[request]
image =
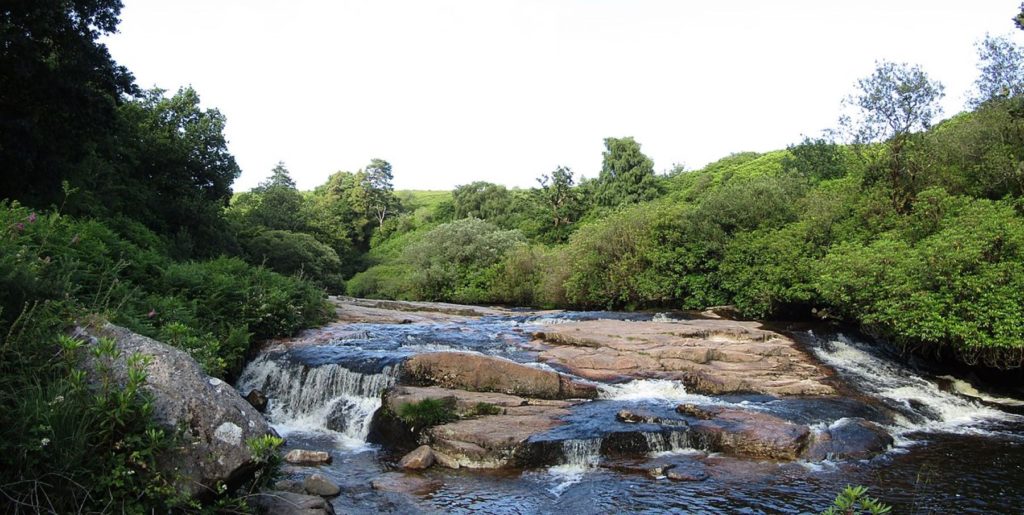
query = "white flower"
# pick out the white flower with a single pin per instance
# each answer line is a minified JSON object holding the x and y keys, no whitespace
{"x":44,"y":442}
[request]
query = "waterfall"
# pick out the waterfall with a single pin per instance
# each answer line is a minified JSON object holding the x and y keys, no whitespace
{"x":328,"y":398}
{"x":919,"y":402}
{"x":651,"y":389}
{"x":579,"y":456}
{"x":674,"y":442}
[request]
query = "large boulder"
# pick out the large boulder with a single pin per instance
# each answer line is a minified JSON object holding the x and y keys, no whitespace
{"x":215,"y":421}
{"x":848,"y":438}
{"x":475,"y":372}
{"x":746,"y":433}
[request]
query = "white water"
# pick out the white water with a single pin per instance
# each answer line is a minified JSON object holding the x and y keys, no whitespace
{"x":581,"y":456}
{"x":923,"y":406}
{"x":651,"y":389}
{"x":676,"y":442}
{"x":304,"y":399}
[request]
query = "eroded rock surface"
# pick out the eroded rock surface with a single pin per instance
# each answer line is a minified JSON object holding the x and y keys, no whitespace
{"x":289,"y":503}
{"x":709,"y":356}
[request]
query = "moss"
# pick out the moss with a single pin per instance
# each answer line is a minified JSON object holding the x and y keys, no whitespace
{"x":427,"y":413}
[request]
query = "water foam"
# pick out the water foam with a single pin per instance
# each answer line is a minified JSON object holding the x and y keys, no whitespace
{"x":315,"y":399}
{"x":920,"y":403}
{"x":651,"y":389}
{"x":580,"y":456}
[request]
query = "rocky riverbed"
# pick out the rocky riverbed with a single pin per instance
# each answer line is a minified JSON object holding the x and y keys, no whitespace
{"x":405,"y":396}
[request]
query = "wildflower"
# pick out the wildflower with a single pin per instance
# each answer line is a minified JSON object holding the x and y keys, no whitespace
{"x":151,"y":314}
{"x":31,"y":218}
{"x":74,"y":239}
{"x":44,"y":442}
{"x":57,"y":400}
{"x":19,"y":227}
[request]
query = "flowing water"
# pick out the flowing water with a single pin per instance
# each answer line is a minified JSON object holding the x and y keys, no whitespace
{"x":957,"y":450}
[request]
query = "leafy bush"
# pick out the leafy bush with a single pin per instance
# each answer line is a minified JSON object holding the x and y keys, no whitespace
{"x":456,"y":261}
{"x":297,"y":254}
{"x":950,"y":277}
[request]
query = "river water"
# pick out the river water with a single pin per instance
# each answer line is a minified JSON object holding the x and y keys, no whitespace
{"x":954,"y":453}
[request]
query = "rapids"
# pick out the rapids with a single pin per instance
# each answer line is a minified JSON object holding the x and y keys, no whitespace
{"x":953,"y":452}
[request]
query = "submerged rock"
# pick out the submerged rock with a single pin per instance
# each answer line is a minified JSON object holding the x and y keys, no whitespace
{"x":475,"y":372}
{"x":420,"y":458}
{"x":317,"y":484}
{"x":709,"y":356}
{"x":289,"y":503}
{"x":307,"y":457}
{"x":215,"y":421}
{"x":406,"y":484}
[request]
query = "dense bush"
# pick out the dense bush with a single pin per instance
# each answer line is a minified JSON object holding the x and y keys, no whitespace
{"x":457,"y":261}
{"x":298,"y":254}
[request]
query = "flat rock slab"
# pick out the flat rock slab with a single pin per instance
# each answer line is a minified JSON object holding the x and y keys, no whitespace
{"x":465,"y":403}
{"x":709,"y":356}
{"x":420,"y":458}
{"x":492,"y":441}
{"x":479,"y":373}
{"x":849,"y":438}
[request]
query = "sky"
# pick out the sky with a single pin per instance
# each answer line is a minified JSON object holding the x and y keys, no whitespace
{"x":451,"y":92}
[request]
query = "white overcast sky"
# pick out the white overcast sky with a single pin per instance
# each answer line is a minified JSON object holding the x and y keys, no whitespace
{"x":455,"y":91}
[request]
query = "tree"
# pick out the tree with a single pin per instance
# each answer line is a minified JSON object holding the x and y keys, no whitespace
{"x":275,"y":203}
{"x":889,"y":106}
{"x":817,"y":158}
{"x":380,"y":194}
{"x":279,"y":177}
{"x":1001,"y":63}
{"x":627,"y":175}
{"x":481,"y":199}
{"x":559,"y":196}
{"x":59,"y":91}
{"x":176,"y":166}
{"x":1019,"y":19}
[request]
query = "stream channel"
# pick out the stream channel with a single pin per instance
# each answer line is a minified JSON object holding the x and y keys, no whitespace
{"x":955,"y":450}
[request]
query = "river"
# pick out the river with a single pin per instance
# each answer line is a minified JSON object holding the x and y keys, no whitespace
{"x":952,"y":453}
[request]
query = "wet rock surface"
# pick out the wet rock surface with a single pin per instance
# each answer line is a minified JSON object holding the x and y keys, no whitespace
{"x":709,"y":356}
{"x":317,"y":484}
{"x":405,"y":483}
{"x":849,"y":438}
{"x":418,"y":459}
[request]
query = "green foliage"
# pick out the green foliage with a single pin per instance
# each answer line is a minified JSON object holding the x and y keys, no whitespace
{"x":949,"y":278}
{"x":853,"y":500}
{"x":68,"y":444}
{"x":627,"y":175}
{"x":1001,"y":70}
{"x":298,"y":254}
{"x":456,"y":261}
{"x":427,"y":413}
{"x":817,"y":159}
{"x":486,"y":408}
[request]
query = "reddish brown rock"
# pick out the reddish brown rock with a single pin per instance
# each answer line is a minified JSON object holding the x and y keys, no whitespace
{"x":849,"y":438}
{"x":480,"y":373}
{"x":709,"y":356}
{"x":421,"y":458}
{"x":747,"y":433}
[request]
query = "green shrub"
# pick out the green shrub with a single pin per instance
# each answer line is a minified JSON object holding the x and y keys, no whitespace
{"x":297,"y":254}
{"x":486,"y":408}
{"x":427,"y":413}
